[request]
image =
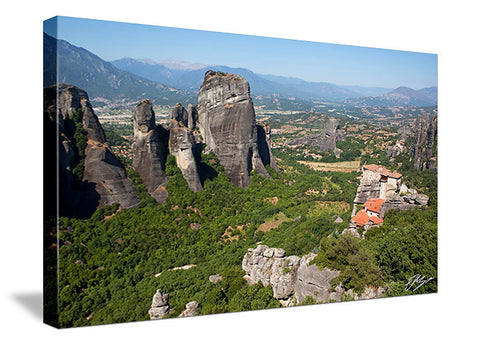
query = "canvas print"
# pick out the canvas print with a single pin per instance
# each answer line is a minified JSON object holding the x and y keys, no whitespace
{"x":192,"y":172}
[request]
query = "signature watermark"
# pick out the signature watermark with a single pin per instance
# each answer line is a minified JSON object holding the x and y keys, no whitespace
{"x":417,"y":280}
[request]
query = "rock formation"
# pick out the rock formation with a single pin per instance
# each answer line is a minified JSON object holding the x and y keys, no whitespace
{"x":293,"y":279}
{"x":377,"y":182}
{"x":403,"y":203}
{"x":226,"y":120}
{"x":149,"y":150}
{"x":182,"y":146}
{"x":264,"y":133}
{"x":191,"y":117}
{"x":54,"y":126}
{"x":315,"y":283}
{"x":424,"y":142}
{"x":160,"y":306}
{"x":399,"y":147}
{"x":215,"y":278}
{"x":271,"y":267}
{"x":104,"y":180}
{"x":102,"y":167}
{"x":191,"y":309}
{"x":325,"y":141}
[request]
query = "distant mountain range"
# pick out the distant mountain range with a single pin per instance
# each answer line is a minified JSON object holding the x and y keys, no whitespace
{"x":261,"y":85}
{"x":101,"y":79}
{"x":401,"y":96}
{"x":168,"y":82}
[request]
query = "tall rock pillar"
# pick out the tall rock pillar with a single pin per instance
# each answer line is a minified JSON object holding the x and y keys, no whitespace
{"x":226,"y":120}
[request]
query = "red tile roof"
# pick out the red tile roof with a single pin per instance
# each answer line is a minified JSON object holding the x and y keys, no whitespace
{"x":362,"y":218}
{"x":374,"y":205}
{"x":382,"y":171}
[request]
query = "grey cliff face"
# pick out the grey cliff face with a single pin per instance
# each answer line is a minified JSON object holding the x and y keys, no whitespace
{"x":149,"y":150}
{"x":264,"y":133}
{"x":315,"y":283}
{"x":369,"y":188}
{"x":293,"y":279}
{"x":104,"y":179}
{"x":192,"y":115}
{"x":424,"y":142}
{"x":326,"y":140}
{"x":182,"y":146}
{"x":404,"y":203}
{"x":102,"y":167}
{"x":271,"y":267}
{"x":180,"y":114}
{"x":226,"y":120}
{"x":54,"y":126}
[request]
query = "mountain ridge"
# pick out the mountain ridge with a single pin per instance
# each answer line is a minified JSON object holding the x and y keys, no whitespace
{"x":261,"y":84}
{"x":401,"y":96}
{"x":131,"y":80}
{"x":80,"y":67}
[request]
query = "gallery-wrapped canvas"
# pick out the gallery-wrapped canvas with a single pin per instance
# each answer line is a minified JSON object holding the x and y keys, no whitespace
{"x":191,"y":172}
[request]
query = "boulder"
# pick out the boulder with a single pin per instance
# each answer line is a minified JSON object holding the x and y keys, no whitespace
{"x":160,"y":306}
{"x":215,"y":278}
{"x":191,"y":309}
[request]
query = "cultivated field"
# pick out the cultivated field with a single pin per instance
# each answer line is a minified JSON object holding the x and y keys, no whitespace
{"x":344,"y":166}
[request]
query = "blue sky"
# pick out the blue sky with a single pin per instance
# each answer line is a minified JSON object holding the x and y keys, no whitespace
{"x":310,"y":61}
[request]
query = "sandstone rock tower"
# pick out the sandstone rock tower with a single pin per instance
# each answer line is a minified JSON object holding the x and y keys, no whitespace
{"x":102,"y":180}
{"x":226,"y":120}
{"x":182,"y":145}
{"x":149,"y":150}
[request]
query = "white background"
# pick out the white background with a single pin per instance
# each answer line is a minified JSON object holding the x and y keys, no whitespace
{"x":447,"y":28}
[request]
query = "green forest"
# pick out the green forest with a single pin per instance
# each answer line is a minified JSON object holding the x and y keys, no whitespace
{"x":111,"y":264}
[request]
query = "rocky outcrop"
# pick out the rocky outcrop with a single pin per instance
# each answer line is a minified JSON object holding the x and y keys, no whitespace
{"x":311,"y":282}
{"x":103,"y":180}
{"x":399,"y":147}
{"x":182,"y":146}
{"x":149,"y":150}
{"x":191,"y":309}
{"x":271,"y":267}
{"x":403,"y":203}
{"x":325,"y":141}
{"x":377,"y":182}
{"x":424,"y":142}
{"x":160,"y":306}
{"x":226,"y":120}
{"x":215,"y":278}
{"x":293,"y":279}
{"x":264,"y":133}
